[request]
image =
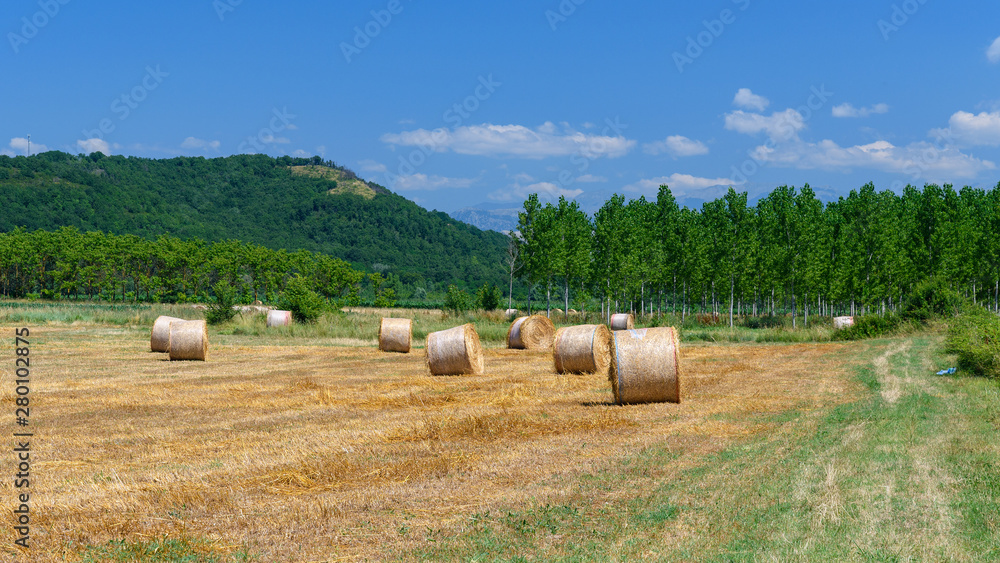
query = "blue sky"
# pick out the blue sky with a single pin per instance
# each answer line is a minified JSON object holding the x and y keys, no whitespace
{"x":459,"y":104}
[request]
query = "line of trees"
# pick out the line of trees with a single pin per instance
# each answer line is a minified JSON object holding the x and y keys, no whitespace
{"x":789,"y":253}
{"x":70,"y":264}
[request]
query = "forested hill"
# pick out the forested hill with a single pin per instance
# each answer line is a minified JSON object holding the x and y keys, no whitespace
{"x":275,"y":202}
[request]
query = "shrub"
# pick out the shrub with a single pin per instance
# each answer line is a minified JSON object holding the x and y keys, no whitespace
{"x":870,"y":326}
{"x":489,"y":297}
{"x":974,"y":336}
{"x":221,"y":310}
{"x":457,"y":301}
{"x":931,"y":298}
{"x":305,"y":304}
{"x":766,"y":321}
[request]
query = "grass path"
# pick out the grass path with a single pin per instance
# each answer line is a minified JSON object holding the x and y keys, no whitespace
{"x":910,"y":471}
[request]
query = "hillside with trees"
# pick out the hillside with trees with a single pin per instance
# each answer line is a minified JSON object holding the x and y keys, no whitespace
{"x":278,"y":203}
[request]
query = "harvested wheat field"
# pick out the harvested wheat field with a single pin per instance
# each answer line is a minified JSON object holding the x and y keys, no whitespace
{"x":326,"y":453}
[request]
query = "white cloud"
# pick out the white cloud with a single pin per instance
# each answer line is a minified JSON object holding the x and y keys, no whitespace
{"x":779,"y":126}
{"x":300,"y":153}
{"x":920,"y":160}
{"x":369,"y":165}
{"x":513,"y":140}
{"x":676,"y":146}
{"x":433,"y":182}
{"x":970,"y":129}
{"x":848,"y":110}
{"x":195,"y":143}
{"x":746,"y":99}
{"x":545,"y":191}
{"x":94,"y":145}
{"x":677,"y":182}
{"x":20,"y":145}
{"x":993,"y":52}
{"x":321,"y":150}
{"x":590,"y":178}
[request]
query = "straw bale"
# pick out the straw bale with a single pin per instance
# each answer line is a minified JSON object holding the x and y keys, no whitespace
{"x":159,"y":339}
{"x":842,"y":322}
{"x":188,"y":340}
{"x":531,"y":333}
{"x":455,"y":351}
{"x":645,"y":366}
{"x":622,"y":321}
{"x":582,"y":349}
{"x":395,"y":335}
{"x":278,"y":318}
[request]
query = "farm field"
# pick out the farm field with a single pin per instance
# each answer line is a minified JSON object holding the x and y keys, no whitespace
{"x":313,"y":449}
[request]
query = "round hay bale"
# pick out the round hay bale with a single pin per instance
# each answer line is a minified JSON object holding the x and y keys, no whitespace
{"x":645,"y":366}
{"x":582,"y":349}
{"x":278,"y":318}
{"x":842,"y":322}
{"x":622,"y":321}
{"x":188,"y":340}
{"x":510,"y":312}
{"x":531,"y":333}
{"x":394,"y":335}
{"x":159,"y":340}
{"x":455,"y":351}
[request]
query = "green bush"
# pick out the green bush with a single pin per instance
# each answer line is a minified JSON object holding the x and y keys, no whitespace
{"x":305,"y":304}
{"x":974,"y":336}
{"x":870,"y":326}
{"x":457,"y":301}
{"x":932,"y":298}
{"x":221,"y":310}
{"x":489,"y":297}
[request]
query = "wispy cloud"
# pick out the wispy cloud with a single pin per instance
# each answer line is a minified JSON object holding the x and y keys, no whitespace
{"x":547,"y":140}
{"x":922,"y":158}
{"x":545,"y":191}
{"x":200,"y":144}
{"x":993,"y":52}
{"x":848,"y":110}
{"x":431,"y":182}
{"x":676,"y":146}
{"x":681,"y":182}
{"x":748,"y":100}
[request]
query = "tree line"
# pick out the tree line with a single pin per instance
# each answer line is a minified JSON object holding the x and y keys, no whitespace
{"x":789,"y":253}
{"x":69,"y":264}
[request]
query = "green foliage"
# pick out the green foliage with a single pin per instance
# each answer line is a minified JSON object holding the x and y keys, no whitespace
{"x":932,"y":298}
{"x":221,"y":310}
{"x":488,"y":297}
{"x":305,"y":304}
{"x":252,"y":198}
{"x":870,"y":326}
{"x":974,"y":335}
{"x":457,"y":300}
